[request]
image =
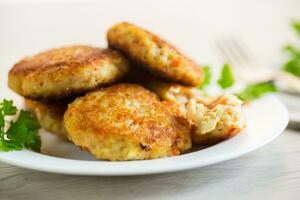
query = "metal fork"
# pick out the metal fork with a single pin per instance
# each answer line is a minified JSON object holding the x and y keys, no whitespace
{"x":248,"y":70}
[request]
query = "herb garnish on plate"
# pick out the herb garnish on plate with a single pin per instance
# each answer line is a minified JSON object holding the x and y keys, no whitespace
{"x":293,"y":64}
{"x":20,"y":133}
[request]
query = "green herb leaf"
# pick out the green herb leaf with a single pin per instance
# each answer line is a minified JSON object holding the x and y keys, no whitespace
{"x":8,"y":108}
{"x":2,"y":123}
{"x":296,"y":26}
{"x":36,"y":145}
{"x":292,"y":50}
{"x":293,"y":67}
{"x":293,"y":64}
{"x":207,"y":77}
{"x":22,"y":133}
{"x":6,"y":145}
{"x":227,"y":78}
{"x":257,"y":90}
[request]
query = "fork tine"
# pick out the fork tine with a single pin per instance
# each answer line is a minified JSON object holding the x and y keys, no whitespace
{"x":218,"y":53}
{"x":225,"y":53}
{"x":240,"y":49}
{"x":229,"y":53}
{"x":236,"y":54}
{"x":240,"y":60}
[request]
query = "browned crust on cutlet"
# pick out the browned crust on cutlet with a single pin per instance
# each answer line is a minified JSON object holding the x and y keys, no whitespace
{"x":126,"y":115}
{"x":67,"y":71}
{"x":155,"y":54}
{"x":211,"y":139}
{"x":49,"y":115}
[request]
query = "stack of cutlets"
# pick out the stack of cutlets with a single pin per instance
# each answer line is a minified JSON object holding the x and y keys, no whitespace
{"x":135,"y":100}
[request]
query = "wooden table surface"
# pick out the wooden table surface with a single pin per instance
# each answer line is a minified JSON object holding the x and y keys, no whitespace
{"x":272,"y":172}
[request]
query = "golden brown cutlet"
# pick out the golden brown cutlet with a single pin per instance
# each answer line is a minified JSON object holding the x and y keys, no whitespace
{"x":154,"y":54}
{"x":213,"y":119}
{"x":49,"y":115}
{"x":68,"y":71}
{"x":126,"y":122}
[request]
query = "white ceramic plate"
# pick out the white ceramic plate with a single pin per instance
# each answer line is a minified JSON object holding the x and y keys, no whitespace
{"x":30,"y":28}
{"x":266,"y":119}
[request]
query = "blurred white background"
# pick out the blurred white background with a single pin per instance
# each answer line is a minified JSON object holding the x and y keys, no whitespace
{"x":27,"y":27}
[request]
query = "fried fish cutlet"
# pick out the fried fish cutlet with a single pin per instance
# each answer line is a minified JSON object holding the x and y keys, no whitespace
{"x":220,"y":120}
{"x":49,"y":115}
{"x":213,"y":119}
{"x":125,"y":122}
{"x":68,"y":71}
{"x":177,"y":94}
{"x":154,"y":54}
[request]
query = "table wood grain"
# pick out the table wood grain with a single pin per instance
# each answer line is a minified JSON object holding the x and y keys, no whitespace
{"x":272,"y":172}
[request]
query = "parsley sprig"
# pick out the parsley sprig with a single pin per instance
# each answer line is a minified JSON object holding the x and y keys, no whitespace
{"x":207,"y":77}
{"x":227,"y":78}
{"x":255,"y":91}
{"x":20,"y":133}
{"x":249,"y":93}
{"x":293,"y":64}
